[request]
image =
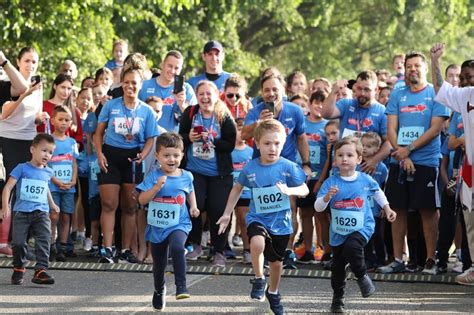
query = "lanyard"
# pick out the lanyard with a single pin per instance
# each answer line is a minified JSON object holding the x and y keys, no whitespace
{"x":128,"y":124}
{"x":47,"y":126}
{"x":201,"y":119}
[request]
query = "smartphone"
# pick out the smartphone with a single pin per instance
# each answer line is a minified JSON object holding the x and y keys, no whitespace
{"x":178,"y":84}
{"x":198,"y":129}
{"x":270,"y":106}
{"x":36,"y":79}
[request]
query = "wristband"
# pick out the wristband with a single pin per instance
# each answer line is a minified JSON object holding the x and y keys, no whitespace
{"x":4,"y":63}
{"x":410,"y":147}
{"x":306,"y":164}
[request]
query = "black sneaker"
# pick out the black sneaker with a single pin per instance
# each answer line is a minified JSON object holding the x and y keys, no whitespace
{"x":182,"y":292}
{"x":366,"y":286}
{"x":327,"y":265}
{"x":70,"y":254}
{"x":289,"y":261}
{"x":159,"y":300}
{"x":93,"y":252}
{"x":307,"y":258}
{"x":52,"y":253}
{"x":326,"y":257}
{"x":17,"y":276}
{"x":258,"y":289}
{"x":128,"y":257}
{"x":275,"y":302}
{"x":106,"y":256}
{"x":337,"y":305}
{"x":42,"y":277}
{"x":442,"y":269}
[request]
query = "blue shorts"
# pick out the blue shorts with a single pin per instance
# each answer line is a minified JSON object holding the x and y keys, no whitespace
{"x":65,"y":201}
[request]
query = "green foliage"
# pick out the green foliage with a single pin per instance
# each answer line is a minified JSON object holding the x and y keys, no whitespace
{"x":331,"y":38}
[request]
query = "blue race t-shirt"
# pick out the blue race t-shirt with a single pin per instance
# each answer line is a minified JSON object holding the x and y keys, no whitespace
{"x":82,"y":161}
{"x":359,"y":119}
{"x":317,"y":143}
{"x":350,"y":207}
{"x":219,"y":82}
{"x":90,"y":124}
{"x":112,"y":64}
{"x":121,"y":121}
{"x":456,"y":127}
{"x":240,"y":158}
{"x":202,"y":156}
{"x":415,"y":111}
{"x":292,"y":118}
{"x":93,"y":171}
{"x":268,"y":206}
{"x":380,"y":176}
{"x":31,"y":187}
{"x":168,"y":207}
{"x":62,"y":163}
{"x":170,"y":112}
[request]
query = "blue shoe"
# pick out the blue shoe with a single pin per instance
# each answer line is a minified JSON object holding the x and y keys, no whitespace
{"x":289,"y":261}
{"x":182,"y":292}
{"x":258,"y":289}
{"x":275,"y":302}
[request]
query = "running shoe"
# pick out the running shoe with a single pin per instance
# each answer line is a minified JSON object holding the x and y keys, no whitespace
{"x":219,"y":260}
{"x":289,"y":261}
{"x":337,"y":305}
{"x":467,"y":277}
{"x":318,"y":253}
{"x":246,"y":257}
{"x":17,"y":276}
{"x":106,"y":256}
{"x":159,"y":300}
{"x":275,"y":302}
{"x":307,"y":258}
{"x":366,"y":286}
{"x":430,"y":267}
{"x":258,"y":289}
{"x":127,"y":257}
{"x":182,"y":292}
{"x":393,"y":267}
{"x":42,"y":277}
{"x":196,"y":253}
{"x":237,"y":240}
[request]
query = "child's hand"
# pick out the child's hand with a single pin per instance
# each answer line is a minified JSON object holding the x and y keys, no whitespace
{"x":194,"y":212}
{"x":331,"y":193}
{"x":389,"y":214}
{"x":160,"y":182}
{"x":55,"y":208}
{"x":5,"y":213}
{"x":223,"y":222}
{"x":283,"y":188}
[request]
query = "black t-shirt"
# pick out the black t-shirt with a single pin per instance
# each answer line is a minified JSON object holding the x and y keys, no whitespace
{"x":5,"y":92}
{"x":116,"y":93}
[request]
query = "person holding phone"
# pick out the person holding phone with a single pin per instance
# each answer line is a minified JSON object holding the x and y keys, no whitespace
{"x":171,"y":88}
{"x":291,"y":116}
{"x":18,"y":118}
{"x":209,"y":133}
{"x":123,"y":139}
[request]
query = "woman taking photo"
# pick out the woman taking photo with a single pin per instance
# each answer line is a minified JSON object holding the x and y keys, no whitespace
{"x":129,"y":126}
{"x":209,"y":132}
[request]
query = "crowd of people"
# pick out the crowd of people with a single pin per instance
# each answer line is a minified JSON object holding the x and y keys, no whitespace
{"x":140,"y":165}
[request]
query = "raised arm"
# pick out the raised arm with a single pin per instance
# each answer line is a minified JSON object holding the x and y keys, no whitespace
{"x":436,"y":75}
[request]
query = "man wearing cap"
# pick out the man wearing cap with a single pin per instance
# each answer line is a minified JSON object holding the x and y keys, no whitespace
{"x":213,"y":56}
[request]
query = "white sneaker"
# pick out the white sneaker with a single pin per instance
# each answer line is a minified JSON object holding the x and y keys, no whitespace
{"x":457,"y":267}
{"x":206,"y":236}
{"x":87,"y":244}
{"x":237,"y":240}
{"x":467,"y":277}
{"x":246,"y":257}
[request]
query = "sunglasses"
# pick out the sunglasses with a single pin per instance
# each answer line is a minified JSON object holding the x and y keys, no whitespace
{"x":232,"y":95}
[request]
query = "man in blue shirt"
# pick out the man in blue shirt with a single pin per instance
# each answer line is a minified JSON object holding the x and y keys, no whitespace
{"x":360,"y":114}
{"x":415,"y":120}
{"x":213,"y":56}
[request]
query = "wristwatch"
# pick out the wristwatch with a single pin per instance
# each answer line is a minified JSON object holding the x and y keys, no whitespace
{"x":308,"y":164}
{"x":410,"y":147}
{"x":4,"y":63}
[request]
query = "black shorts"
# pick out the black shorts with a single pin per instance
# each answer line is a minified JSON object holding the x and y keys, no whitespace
{"x":275,"y":245}
{"x":309,"y":200}
{"x":421,"y":193}
{"x":243,"y":203}
{"x":119,"y":169}
{"x":95,"y":208}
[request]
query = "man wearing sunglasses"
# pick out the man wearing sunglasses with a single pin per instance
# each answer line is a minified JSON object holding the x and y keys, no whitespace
{"x":234,"y":96}
{"x":213,"y":56}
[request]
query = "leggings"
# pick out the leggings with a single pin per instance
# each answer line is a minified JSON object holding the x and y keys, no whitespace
{"x":175,"y":242}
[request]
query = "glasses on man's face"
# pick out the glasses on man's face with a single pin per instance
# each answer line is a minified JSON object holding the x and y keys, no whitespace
{"x":232,"y":95}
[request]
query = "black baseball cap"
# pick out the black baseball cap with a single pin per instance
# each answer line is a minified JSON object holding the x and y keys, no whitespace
{"x":213,"y":44}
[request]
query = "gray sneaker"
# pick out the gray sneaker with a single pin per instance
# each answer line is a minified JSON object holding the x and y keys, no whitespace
{"x":196,"y":253}
{"x":219,"y":260}
{"x":246,"y":257}
{"x":393,"y":267}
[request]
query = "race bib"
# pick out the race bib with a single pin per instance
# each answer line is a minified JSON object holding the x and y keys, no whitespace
{"x":270,"y":199}
{"x":345,"y":222}
{"x":163,"y":215}
{"x":203,"y":152}
{"x":63,"y":172}
{"x":350,"y":132}
{"x":95,"y":169}
{"x":407,"y":135}
{"x":34,"y":190}
{"x":121,"y":126}
{"x":314,"y":154}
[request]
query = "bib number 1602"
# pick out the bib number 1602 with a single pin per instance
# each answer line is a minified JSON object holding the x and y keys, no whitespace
{"x":270,"y":198}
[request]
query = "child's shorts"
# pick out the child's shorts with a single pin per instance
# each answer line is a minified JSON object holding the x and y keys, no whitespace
{"x":275,"y":245}
{"x":308,"y":201}
{"x":65,"y":201}
{"x":243,"y":203}
{"x":95,"y":208}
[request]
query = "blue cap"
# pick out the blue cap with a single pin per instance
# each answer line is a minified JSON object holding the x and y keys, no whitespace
{"x":213,"y":44}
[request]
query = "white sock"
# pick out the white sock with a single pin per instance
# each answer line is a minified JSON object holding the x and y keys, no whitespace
{"x":274,"y":293}
{"x":262,"y":277}
{"x":83,"y":234}
{"x":399,"y":260}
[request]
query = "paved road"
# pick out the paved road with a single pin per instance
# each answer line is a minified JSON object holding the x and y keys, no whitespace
{"x":100,"y":292}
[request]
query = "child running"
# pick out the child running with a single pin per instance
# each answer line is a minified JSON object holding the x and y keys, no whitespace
{"x":271,"y":179}
{"x":31,"y":210}
{"x":165,"y":190}
{"x":352,"y":222}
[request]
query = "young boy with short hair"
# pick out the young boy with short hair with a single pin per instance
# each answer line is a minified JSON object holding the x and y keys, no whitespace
{"x":352,"y":222}
{"x":31,"y":209}
{"x":63,"y":182}
{"x":165,"y":190}
{"x":271,"y":179}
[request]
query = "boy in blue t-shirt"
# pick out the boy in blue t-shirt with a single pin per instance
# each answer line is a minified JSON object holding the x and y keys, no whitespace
{"x":271,"y":179}
{"x":352,"y":222}
{"x":31,"y":209}
{"x":165,"y":190}
{"x":63,"y":182}
{"x":375,"y":249}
